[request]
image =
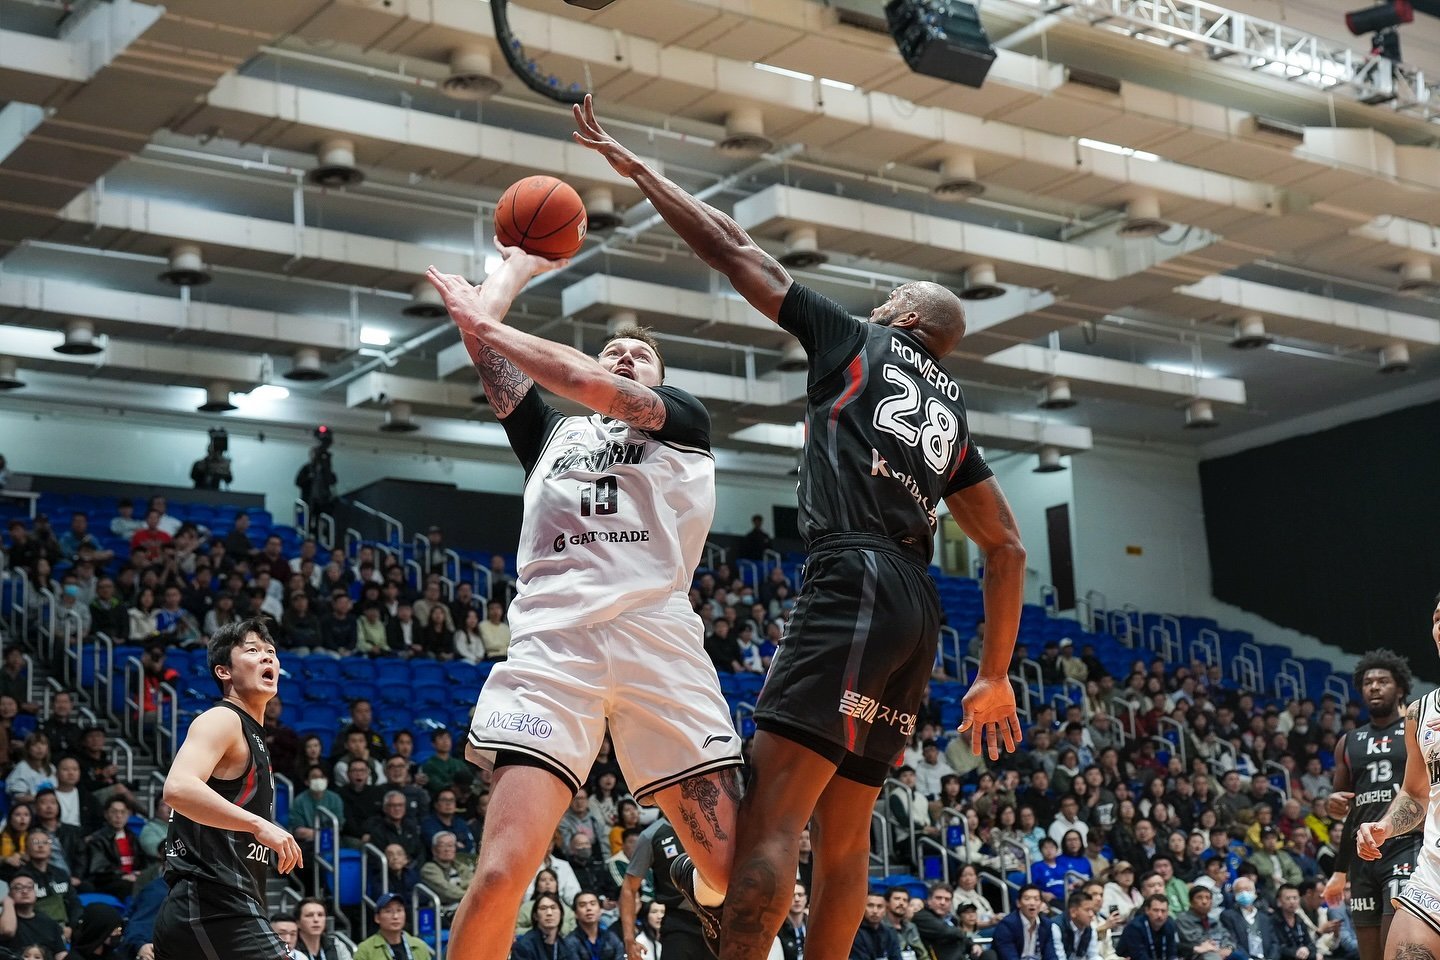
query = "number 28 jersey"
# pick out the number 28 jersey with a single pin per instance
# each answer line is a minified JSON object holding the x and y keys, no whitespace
{"x":886,"y":437}
{"x":615,"y":517}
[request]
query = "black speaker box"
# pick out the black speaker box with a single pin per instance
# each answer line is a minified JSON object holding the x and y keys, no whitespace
{"x":942,"y":39}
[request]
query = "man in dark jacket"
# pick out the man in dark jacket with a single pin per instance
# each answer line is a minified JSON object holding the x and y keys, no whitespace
{"x":587,"y":940}
{"x":1151,"y":934}
{"x":936,"y":924}
{"x":113,"y":858}
{"x":1291,"y":932}
{"x":394,"y":825}
{"x":108,"y":613}
{"x":1026,"y":934}
{"x":875,"y":940}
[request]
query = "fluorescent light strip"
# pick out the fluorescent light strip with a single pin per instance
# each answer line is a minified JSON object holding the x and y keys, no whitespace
{"x":1184,"y":369}
{"x":374,"y":336}
{"x":797,"y":75}
{"x":1117,"y":149}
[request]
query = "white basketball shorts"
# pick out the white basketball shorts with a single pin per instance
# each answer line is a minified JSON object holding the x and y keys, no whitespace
{"x":1421,"y":894}
{"x":644,"y":673}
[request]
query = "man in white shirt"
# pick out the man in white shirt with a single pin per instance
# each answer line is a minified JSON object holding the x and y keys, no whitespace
{"x":931,"y":769}
{"x":67,"y":779}
{"x":1068,"y":819}
{"x":167,"y":523}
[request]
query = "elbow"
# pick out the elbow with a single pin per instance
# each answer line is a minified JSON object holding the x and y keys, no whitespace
{"x":1008,"y":555}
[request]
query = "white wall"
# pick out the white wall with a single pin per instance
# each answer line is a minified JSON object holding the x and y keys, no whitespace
{"x":152,"y":450}
{"x":1030,"y":494}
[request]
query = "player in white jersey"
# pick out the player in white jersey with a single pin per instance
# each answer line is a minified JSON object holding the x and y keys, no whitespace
{"x":1415,"y":932}
{"x":617,"y":508}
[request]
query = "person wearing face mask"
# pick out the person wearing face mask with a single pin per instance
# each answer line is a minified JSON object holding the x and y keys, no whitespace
{"x":98,"y":935}
{"x":1250,"y":926}
{"x":301,"y":822}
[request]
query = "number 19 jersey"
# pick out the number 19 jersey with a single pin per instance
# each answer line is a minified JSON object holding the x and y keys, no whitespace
{"x":615,"y":517}
{"x":886,"y":436}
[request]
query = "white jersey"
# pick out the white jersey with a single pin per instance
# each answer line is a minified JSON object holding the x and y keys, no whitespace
{"x":1427,"y":735}
{"x":615,"y":518}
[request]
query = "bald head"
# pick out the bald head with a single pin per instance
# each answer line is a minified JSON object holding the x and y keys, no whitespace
{"x":929,"y":311}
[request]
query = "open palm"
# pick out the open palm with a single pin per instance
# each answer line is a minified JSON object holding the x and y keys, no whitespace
{"x":990,"y":717}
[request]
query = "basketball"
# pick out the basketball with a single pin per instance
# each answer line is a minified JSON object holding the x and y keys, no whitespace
{"x":543,"y":216}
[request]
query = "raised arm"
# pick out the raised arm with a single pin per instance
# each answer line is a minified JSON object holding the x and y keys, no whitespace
{"x":1407,"y":810}
{"x":211,"y":736}
{"x":985,"y":517}
{"x":522,"y":357}
{"x":715,"y":238}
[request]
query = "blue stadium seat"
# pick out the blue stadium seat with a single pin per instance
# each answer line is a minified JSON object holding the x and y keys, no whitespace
{"x":427,"y":671}
{"x":360,"y":691}
{"x":327,"y":715}
{"x":324,"y":691}
{"x":394,"y":693}
{"x":461,"y":673}
{"x":357,"y":669}
{"x":429,"y":695}
{"x":392,"y":672}
{"x":320,"y":666}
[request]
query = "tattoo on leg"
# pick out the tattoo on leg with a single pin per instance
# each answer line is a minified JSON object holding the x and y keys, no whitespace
{"x":693,"y":822}
{"x":706,"y":795}
{"x":1414,"y":951}
{"x":751,"y":914}
{"x":730,"y":783}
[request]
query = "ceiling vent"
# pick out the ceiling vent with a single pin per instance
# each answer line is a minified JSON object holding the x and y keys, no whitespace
{"x":1416,"y":277}
{"x":1057,"y":395}
{"x":79,"y":339}
{"x":306,"y":366}
{"x":10,"y":374}
{"x":337,"y":166}
{"x":1394,"y":358}
{"x":1049,"y":460}
{"x":802,"y":249}
{"x":957,"y":179}
{"x":217,"y":398}
{"x":980,"y":283}
{"x":425,"y":301}
{"x":187,"y":267}
{"x":470,"y":77}
{"x":1250,"y":333}
{"x":1142,"y":218}
{"x":1200,"y":415}
{"x":600,"y":210}
{"x":745,"y":133}
{"x":794,"y":358}
{"x":398,"y":419}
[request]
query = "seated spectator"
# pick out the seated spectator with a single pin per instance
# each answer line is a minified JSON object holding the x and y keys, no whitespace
{"x":391,"y":940}
{"x":967,"y":891}
{"x":124,"y":524}
{"x":1025,"y":933}
{"x":747,"y":650}
{"x":155,"y":674}
{"x":1250,"y":925}
{"x":113,"y":858}
{"x":1048,"y":874}
{"x":1292,"y":934}
{"x":1122,"y":899}
{"x":372,"y":634}
{"x":446,"y":874}
{"x":1275,"y":866}
{"x":357,"y":749}
{"x":71,"y":607}
{"x":80,"y":809}
{"x":338,"y":630}
{"x":495,"y":632}
{"x":431,"y":600}
{"x":1201,"y":937}
{"x":55,"y":895}
{"x":33,"y":772}
{"x":1068,"y":819}
{"x":299,"y":626}
{"x":436,"y":637}
{"x":108,"y":613}
{"x":21,"y":924}
{"x":143,"y":617}
{"x":316,"y":942}
{"x":393,"y":826}
{"x":397,"y":777}
{"x":68,"y":842}
{"x":362,"y":801}
{"x":14,"y":836}
{"x":619,"y":862}
{"x":469,"y":641}
{"x":401,"y":873}
{"x":1151,"y":935}
{"x":221,"y":613}
{"x":465,"y":601}
{"x":547,"y":882}
{"x":302,"y":819}
{"x":542,"y":938}
{"x":1177,"y":891}
{"x":440,"y":769}
{"x":149,"y":539}
{"x":173,"y":622}
{"x":444,"y":818}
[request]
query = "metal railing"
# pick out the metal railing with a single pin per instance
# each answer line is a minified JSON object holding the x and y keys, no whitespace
{"x":302,"y":514}
{"x":167,"y":723}
{"x":119,"y":746}
{"x":368,"y":851}
{"x":351,"y":542}
{"x":437,"y":944}
{"x":325,"y":531}
{"x":1003,"y":886}
{"x":330,"y":866}
{"x":1181,"y":736}
{"x":880,"y":826}
{"x":890,"y":788}
{"x":1337,"y":687}
{"x":1294,"y":669}
{"x":769,"y":560}
{"x":749,"y":572}
{"x":155,"y":790}
{"x":412,"y":568}
{"x":1207,"y":642}
{"x":1247,"y":671}
{"x":20,"y":603}
{"x":394,"y":530}
{"x":715,"y":555}
{"x":1097,"y":610}
{"x":102,"y":680}
{"x":1050,"y":600}
{"x":955,"y":656}
{"x":45,"y":621}
{"x":1272,"y":768}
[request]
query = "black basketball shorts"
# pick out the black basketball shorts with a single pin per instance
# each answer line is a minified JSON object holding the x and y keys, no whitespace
{"x":853,"y":666}
{"x":1375,"y":883}
{"x":197,"y":922}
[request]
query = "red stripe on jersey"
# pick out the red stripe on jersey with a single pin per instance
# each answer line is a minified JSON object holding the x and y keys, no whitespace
{"x":247,"y":791}
{"x":852,"y":385}
{"x":964,"y":449}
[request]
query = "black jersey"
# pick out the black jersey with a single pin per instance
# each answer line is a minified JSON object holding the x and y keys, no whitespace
{"x":886,"y":436}
{"x":658,"y":846}
{"x":1376,"y":757}
{"x":228,"y":858}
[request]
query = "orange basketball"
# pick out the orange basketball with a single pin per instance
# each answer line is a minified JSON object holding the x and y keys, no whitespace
{"x":543,"y":216}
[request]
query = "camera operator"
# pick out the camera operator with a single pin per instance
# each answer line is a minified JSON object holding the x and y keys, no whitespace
{"x":214,"y":469}
{"x":316,"y":478}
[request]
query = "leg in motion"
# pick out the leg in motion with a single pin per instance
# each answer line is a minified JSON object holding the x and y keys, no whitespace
{"x":1412,"y":938}
{"x":703,"y":810}
{"x":841,"y":834}
{"x":525,"y":805}
{"x":786,"y":780}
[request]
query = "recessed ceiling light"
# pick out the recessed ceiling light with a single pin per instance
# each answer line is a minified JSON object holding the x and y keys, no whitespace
{"x":374,"y":336}
{"x":268,"y":392}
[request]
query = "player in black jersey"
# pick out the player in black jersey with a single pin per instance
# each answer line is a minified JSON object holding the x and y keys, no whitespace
{"x":1369,"y":769}
{"x":222,"y":831}
{"x":886,"y":442}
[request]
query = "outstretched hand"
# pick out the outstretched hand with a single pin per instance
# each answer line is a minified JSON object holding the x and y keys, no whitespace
{"x":990,"y":717}
{"x":591,"y":134}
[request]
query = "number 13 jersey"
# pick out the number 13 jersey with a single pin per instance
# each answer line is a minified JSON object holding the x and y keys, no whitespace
{"x":615,"y":517}
{"x":886,"y":437}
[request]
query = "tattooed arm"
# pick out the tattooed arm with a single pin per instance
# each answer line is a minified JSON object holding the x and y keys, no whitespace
{"x":1407,"y":811}
{"x":984,"y":515}
{"x":505,"y":385}
{"x":520,"y":357}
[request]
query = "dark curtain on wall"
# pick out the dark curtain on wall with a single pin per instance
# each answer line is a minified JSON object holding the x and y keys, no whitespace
{"x":1336,"y":534}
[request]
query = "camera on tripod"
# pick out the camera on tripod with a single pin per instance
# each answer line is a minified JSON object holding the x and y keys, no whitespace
{"x":214,"y":469}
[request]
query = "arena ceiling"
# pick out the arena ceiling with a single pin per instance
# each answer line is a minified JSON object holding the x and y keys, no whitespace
{"x":132,"y":134}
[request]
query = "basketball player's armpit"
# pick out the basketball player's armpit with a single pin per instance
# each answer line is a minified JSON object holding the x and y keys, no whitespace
{"x":637,"y":405}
